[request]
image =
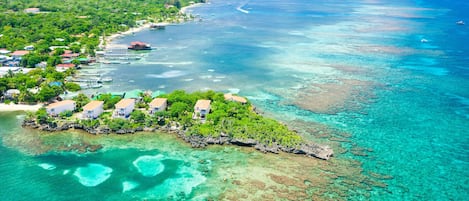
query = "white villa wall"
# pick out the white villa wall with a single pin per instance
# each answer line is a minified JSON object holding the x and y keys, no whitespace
{"x":61,"y":108}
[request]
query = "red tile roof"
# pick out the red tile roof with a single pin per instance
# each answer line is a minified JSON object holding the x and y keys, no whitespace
{"x":65,"y":65}
{"x":20,"y":53}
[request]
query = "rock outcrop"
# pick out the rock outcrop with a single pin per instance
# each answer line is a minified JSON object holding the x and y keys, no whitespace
{"x":197,"y":141}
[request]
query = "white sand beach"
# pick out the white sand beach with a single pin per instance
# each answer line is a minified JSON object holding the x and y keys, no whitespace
{"x":18,"y":107}
{"x":109,"y":39}
{"x":184,"y":9}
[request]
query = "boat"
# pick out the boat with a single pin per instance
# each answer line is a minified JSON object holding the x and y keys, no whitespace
{"x":460,"y":22}
{"x":137,"y":45}
{"x":114,"y":62}
{"x":106,"y":79}
{"x":158,"y":26}
{"x":95,"y":86}
{"x":424,"y":40}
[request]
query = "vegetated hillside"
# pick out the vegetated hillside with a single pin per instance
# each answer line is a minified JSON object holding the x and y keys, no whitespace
{"x":63,"y":22}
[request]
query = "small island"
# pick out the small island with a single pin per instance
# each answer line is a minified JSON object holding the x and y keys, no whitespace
{"x":199,"y":118}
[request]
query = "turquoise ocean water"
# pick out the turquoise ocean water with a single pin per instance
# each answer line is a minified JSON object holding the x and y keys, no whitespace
{"x":392,"y":75}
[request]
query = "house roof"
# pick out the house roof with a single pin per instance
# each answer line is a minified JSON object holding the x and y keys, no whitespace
{"x":138,"y":43}
{"x":93,"y":105}
{"x":31,"y":10}
{"x":158,"y":102}
{"x":19,"y":53}
{"x":55,"y":84}
{"x":232,"y":97}
{"x":124,"y":103}
{"x":70,"y":55}
{"x":202,"y":104}
{"x":61,"y":103}
{"x":70,"y":65}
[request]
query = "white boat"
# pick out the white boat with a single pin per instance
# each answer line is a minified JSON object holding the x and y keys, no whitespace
{"x":460,"y":22}
{"x":106,"y":79}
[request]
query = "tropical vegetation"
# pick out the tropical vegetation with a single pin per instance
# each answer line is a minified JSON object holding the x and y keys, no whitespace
{"x":38,"y":85}
{"x":233,"y":119}
{"x":75,"y":25}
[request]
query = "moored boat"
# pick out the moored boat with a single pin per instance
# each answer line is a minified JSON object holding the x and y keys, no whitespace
{"x":158,"y":26}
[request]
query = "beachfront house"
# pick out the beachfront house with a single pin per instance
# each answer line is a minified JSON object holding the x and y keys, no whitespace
{"x":93,"y":109}
{"x":124,"y":107}
{"x":55,"y":109}
{"x":158,"y":104}
{"x":231,"y":97}
{"x":201,"y":109}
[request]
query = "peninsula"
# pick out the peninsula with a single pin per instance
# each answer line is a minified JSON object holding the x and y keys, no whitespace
{"x":199,"y":118}
{"x":41,"y":64}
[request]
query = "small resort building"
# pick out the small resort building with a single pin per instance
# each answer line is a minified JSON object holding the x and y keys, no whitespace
{"x":93,"y":109}
{"x":55,"y":109}
{"x":124,"y":107}
{"x":231,"y":97}
{"x":201,"y":109}
{"x":158,"y":104}
{"x":64,"y":67}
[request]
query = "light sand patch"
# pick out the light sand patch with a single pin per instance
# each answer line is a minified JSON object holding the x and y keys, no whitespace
{"x":18,"y":107}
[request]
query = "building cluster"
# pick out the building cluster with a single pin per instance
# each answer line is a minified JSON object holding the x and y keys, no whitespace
{"x":13,"y":59}
{"x":124,"y":107}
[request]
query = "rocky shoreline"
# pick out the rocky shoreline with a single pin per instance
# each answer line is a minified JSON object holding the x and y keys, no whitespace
{"x":196,"y":141}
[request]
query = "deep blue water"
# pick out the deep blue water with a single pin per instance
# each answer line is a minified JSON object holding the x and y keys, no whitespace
{"x":413,"y":112}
